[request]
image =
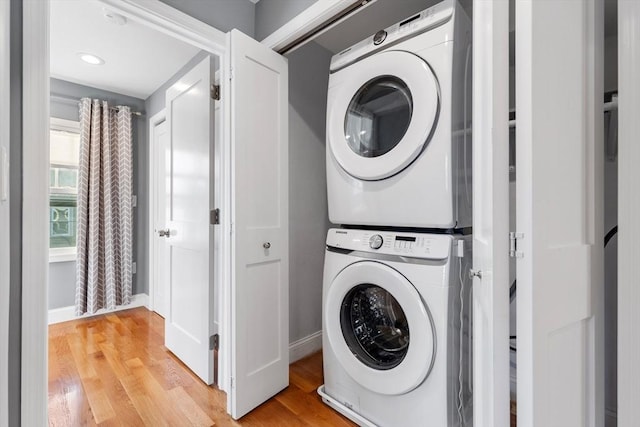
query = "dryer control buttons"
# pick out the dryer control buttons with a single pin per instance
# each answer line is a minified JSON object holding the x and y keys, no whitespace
{"x":375,"y":241}
{"x":379,"y":37}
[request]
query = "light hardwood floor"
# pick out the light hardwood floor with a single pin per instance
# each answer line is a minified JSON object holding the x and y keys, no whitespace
{"x":113,"y":370}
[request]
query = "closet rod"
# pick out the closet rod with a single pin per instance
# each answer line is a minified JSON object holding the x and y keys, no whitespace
{"x":608,"y":106}
{"x":71,"y":100}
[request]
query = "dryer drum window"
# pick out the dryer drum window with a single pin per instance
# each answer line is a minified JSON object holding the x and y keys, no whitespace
{"x":378,"y":116}
{"x":374,"y":326}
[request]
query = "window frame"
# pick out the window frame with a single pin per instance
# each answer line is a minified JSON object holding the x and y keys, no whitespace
{"x":70,"y":253}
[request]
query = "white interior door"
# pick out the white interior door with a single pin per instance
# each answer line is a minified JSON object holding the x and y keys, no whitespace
{"x":162,"y":179}
{"x":491,"y":213}
{"x":559,"y":167}
{"x":260,"y":265}
{"x":189,"y":320}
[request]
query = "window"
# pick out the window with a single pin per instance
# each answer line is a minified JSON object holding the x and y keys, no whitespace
{"x":63,"y":189}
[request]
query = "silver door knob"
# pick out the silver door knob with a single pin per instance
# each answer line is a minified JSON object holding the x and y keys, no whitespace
{"x":266,"y":245}
{"x":164,"y":233}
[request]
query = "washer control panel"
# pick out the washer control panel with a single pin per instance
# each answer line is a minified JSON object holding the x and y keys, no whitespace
{"x":416,"y":245}
{"x":376,"y":241}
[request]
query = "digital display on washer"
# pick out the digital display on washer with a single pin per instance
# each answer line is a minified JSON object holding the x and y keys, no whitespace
{"x":405,"y":238}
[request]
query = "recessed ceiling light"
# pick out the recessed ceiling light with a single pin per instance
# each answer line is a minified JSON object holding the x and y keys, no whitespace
{"x":90,"y":58}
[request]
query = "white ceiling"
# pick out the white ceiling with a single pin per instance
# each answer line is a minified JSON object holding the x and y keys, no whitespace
{"x":138,"y":60}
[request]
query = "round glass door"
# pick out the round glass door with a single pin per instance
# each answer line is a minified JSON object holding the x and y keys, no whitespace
{"x":378,"y":116}
{"x":381,"y":114}
{"x":375,"y":327}
{"x":379,"y":328}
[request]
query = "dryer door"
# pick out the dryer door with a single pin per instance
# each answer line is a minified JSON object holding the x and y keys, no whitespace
{"x":379,"y":328}
{"x":382,"y":114}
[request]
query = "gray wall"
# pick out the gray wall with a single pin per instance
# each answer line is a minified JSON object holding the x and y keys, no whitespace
{"x":15,"y":231}
{"x":156,"y":101}
{"x":273,"y":14}
{"x":308,"y":216}
{"x":221,"y":14}
{"x":62,"y":274}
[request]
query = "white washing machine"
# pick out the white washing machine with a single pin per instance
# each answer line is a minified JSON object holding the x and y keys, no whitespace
{"x":398,"y":118}
{"x":396,"y":328}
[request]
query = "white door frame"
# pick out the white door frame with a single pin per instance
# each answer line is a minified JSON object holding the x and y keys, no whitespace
{"x":491,"y":213}
{"x":154,"y":121}
{"x":4,"y":209}
{"x":628,"y":212}
{"x":35,"y":211}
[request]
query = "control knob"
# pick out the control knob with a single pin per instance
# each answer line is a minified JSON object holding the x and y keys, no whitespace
{"x":375,"y":242}
{"x":379,"y":37}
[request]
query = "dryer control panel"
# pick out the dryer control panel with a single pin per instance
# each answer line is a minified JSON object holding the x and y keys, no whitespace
{"x":415,"y":245}
{"x":430,"y":18}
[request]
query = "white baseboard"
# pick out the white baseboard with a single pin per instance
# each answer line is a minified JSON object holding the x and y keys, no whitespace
{"x":65,"y":314}
{"x":305,"y":346}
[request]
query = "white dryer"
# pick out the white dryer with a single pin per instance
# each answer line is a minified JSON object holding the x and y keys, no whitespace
{"x":398,"y":113}
{"x":396,"y":328}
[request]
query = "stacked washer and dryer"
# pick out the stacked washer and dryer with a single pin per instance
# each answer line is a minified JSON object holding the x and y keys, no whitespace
{"x":396,"y":293}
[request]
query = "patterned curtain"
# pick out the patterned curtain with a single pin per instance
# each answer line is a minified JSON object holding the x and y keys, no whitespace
{"x":103,"y":269}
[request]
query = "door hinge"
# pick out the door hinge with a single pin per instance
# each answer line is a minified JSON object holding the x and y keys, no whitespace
{"x":215,"y":92}
{"x":513,"y":244}
{"x":233,"y":382}
{"x":215,"y":217}
{"x":214,"y":342}
{"x":475,"y":273}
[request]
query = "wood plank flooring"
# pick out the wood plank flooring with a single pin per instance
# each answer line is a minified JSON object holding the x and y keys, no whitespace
{"x":113,"y":370}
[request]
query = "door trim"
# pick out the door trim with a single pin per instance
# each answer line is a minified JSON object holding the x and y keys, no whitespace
{"x":628,"y":212}
{"x":490,"y":134}
{"x":164,"y":19}
{"x":154,"y":121}
{"x":35,"y":212}
{"x":5,"y":144}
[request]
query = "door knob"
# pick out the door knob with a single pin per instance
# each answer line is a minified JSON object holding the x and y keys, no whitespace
{"x":266,"y":245}
{"x":164,"y":233}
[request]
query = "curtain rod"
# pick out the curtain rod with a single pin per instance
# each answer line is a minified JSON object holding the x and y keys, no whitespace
{"x":69,"y":99}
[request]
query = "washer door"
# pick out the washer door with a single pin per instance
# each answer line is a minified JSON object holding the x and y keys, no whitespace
{"x":379,"y":328}
{"x":383,"y":114}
